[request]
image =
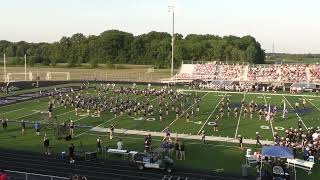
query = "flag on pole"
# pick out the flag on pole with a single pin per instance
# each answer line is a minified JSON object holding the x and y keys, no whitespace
{"x":284,"y":109}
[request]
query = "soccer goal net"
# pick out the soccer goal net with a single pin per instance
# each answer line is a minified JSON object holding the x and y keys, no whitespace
{"x":13,"y":77}
{"x":56,"y":76}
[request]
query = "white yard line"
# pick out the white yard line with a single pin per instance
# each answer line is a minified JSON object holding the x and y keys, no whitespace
{"x":64,"y":113}
{"x":312,"y":103}
{"x":12,"y":111}
{"x":235,"y":135}
{"x":211,"y":113}
{"x":265,"y":101}
{"x":250,"y":93}
{"x":184,"y":112}
{"x":26,"y":115}
{"x":296,"y":112}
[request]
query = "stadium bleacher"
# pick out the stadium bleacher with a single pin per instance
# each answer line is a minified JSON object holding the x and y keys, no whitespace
{"x":284,"y":73}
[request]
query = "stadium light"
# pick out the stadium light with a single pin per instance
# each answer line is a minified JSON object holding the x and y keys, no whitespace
{"x":171,"y":9}
{"x":25,"y":67}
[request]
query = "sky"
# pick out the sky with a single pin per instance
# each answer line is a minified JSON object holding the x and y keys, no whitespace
{"x":292,"y":25}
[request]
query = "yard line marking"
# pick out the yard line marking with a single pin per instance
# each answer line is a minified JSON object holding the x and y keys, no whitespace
{"x":212,"y":113}
{"x":107,"y":120}
{"x":26,"y":115}
{"x":64,"y":113}
{"x":265,"y":101}
{"x":184,"y":112}
{"x":12,"y":111}
{"x":311,"y":103}
{"x":296,"y":112}
{"x":235,"y":135}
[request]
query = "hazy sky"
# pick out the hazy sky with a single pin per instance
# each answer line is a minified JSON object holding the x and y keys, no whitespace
{"x":293,"y":25}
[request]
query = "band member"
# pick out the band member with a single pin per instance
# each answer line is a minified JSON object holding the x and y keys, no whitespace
{"x":258,"y":137}
{"x":71,"y":128}
{"x":235,"y":112}
{"x":260,"y":114}
{"x":229,"y":110}
{"x":240,"y":138}
{"x":187,"y":117}
{"x":4,"y":124}
{"x":111,"y":131}
{"x":177,"y":113}
{"x":304,"y":102}
{"x":297,"y":106}
{"x":221,"y":112}
{"x":50,"y":107}
{"x":160,"y":115}
{"x":245,"y":112}
{"x":215,"y":124}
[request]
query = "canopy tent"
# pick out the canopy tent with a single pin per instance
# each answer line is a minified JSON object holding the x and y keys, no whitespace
{"x":277,"y":151}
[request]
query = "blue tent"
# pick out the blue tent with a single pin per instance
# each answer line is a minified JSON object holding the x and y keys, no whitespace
{"x":277,"y":151}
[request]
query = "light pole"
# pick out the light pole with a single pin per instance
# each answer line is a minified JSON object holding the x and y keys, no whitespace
{"x":25,"y":67}
{"x":4,"y":68}
{"x":171,"y":9}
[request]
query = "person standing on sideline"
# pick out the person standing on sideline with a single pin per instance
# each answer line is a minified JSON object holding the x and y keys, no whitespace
{"x":182,"y":151}
{"x":46,"y":144}
{"x":71,"y":128}
{"x":4,"y":124}
{"x":119,"y":144}
{"x":3,"y":175}
{"x":258,"y":137}
{"x":37,"y":127}
{"x":23,"y":126}
{"x":240,"y":138}
{"x":111,"y":131}
{"x":99,"y":144}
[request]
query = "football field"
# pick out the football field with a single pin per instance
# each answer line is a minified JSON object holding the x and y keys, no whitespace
{"x":202,"y":120}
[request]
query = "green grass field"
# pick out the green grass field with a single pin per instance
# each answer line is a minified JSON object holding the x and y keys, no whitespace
{"x":209,"y":157}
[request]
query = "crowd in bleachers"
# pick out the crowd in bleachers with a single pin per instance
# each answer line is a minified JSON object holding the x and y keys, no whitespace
{"x":260,"y":73}
{"x":293,"y":73}
{"x":314,"y":72}
{"x":229,"y":72}
{"x":263,"y":74}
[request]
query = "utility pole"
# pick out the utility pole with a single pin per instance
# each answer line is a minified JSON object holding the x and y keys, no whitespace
{"x":171,"y":8}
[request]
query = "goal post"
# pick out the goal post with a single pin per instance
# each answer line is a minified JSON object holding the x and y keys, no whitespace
{"x":13,"y":77}
{"x":62,"y":76}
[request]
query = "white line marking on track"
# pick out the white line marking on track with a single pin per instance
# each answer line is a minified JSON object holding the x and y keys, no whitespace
{"x":211,"y":113}
{"x":296,"y":112}
{"x":235,"y":135}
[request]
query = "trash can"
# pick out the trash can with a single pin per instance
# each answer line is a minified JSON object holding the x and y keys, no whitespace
{"x":244,"y":170}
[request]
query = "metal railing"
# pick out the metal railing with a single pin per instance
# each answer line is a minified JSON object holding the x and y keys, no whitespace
{"x":18,"y":175}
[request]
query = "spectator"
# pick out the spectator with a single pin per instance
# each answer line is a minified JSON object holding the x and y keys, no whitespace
{"x":119,"y":144}
{"x":3,"y":175}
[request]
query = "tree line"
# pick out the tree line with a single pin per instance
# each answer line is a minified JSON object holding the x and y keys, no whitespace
{"x":118,"y":47}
